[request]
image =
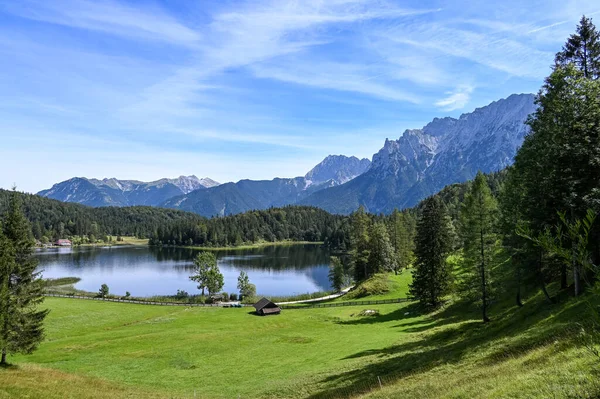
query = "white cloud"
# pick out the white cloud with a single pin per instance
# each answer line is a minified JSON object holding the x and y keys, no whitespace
{"x":456,"y":99}
{"x":109,"y":17}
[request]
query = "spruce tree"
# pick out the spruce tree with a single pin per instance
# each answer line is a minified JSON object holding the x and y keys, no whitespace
{"x":336,"y":274}
{"x":478,"y":222}
{"x":431,"y":277}
{"x":21,"y":290}
{"x":583,"y":49}
{"x":558,"y":164}
{"x":359,"y":254}
{"x":400,"y":227}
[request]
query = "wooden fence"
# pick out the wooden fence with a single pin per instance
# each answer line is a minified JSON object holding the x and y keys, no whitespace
{"x":139,"y":302}
{"x":309,"y":305}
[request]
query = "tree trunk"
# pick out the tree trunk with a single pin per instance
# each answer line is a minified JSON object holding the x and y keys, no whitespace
{"x":518,"y":299}
{"x":541,"y":279}
{"x":483,"y":285}
{"x":576,"y":279}
{"x":3,"y":360}
{"x":563,"y":277}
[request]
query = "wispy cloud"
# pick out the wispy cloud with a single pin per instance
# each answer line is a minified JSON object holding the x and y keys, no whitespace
{"x":286,"y":80}
{"x":456,"y":99}
{"x":109,"y":17}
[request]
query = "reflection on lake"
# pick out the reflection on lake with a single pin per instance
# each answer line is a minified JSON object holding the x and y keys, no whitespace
{"x":143,"y":271}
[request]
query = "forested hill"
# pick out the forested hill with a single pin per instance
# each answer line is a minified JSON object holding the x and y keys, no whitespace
{"x":55,"y":219}
{"x":295,"y":223}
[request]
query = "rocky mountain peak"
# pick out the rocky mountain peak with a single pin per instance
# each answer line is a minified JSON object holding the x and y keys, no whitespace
{"x":337,"y":168}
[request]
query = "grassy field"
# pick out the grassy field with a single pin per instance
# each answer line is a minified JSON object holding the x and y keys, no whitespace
{"x":99,"y":349}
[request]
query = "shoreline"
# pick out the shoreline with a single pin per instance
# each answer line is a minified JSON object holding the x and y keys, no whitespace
{"x":249,"y":246}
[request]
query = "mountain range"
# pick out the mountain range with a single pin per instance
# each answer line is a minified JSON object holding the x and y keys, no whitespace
{"x":245,"y":195}
{"x":423,"y":161}
{"x":114,"y":192}
{"x":420,"y":163}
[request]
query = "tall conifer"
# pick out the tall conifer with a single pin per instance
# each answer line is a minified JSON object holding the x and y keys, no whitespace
{"x":431,"y":277}
{"x":478,"y":216}
{"x":21,"y":290}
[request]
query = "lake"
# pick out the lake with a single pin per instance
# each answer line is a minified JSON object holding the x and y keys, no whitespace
{"x":144,"y":271}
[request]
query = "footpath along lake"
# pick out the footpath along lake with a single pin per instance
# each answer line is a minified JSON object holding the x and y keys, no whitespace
{"x":145,"y":271}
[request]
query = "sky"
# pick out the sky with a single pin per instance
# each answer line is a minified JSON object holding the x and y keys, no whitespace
{"x":250,"y":89}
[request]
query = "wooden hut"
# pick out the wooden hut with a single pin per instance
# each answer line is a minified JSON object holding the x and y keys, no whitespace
{"x":264,"y":307}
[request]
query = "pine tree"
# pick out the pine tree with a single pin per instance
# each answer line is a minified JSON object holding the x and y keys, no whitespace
{"x":381,"y":252}
{"x":21,"y":292}
{"x":558,"y":164}
{"x":336,"y":273}
{"x":359,"y":254}
{"x":400,"y":228}
{"x":583,"y":49}
{"x":431,"y":277}
{"x":478,"y":217}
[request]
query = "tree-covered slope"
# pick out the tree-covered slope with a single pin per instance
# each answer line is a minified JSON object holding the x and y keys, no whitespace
{"x":55,"y":219}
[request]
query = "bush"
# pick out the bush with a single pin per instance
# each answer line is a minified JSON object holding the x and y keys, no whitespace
{"x":181,"y":294}
{"x":103,"y":292}
{"x":233,"y":296}
{"x":376,"y":285}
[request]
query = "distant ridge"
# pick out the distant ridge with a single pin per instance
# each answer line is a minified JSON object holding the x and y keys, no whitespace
{"x":245,"y":195}
{"x":115,"y":192}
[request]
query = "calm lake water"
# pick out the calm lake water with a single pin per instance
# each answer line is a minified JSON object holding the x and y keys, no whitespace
{"x":144,"y":271}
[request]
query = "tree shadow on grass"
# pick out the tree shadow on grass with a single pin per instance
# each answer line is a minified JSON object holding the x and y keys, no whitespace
{"x":406,"y":315}
{"x":402,"y":313}
{"x":513,"y":331}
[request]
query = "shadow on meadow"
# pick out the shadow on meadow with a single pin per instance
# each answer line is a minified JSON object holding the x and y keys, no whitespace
{"x":456,"y":333}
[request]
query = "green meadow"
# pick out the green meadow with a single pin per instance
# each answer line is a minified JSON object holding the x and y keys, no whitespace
{"x":99,"y":349}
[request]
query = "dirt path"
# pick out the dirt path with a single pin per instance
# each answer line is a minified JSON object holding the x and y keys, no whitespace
{"x":324,"y":298}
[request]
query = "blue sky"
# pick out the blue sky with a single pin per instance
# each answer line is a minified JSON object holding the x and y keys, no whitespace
{"x":250,"y":89}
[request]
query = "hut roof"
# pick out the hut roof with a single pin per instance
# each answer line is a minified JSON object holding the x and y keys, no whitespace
{"x":271,"y":310}
{"x":262,"y":304}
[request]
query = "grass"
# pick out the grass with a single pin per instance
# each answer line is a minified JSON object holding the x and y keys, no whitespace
{"x":116,"y":350}
{"x":125,"y":240}
{"x":381,"y":286}
{"x":61,"y":281}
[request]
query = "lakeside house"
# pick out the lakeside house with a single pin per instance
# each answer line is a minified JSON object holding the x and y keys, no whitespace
{"x":216,"y":298}
{"x":63,"y":243}
{"x":264,"y":307}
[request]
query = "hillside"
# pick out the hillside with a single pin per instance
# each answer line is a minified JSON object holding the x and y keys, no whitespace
{"x":329,"y":353}
{"x":55,"y":219}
